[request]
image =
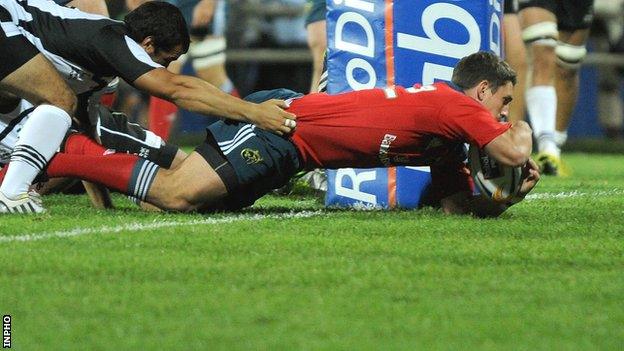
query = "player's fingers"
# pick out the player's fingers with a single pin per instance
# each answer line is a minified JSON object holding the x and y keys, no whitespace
{"x":532,"y":164}
{"x":290,"y":116}
{"x":284,"y":130}
{"x":280,"y":103}
{"x":288,"y":126}
{"x":535,"y":174}
{"x":283,"y":105}
{"x":290,"y":123}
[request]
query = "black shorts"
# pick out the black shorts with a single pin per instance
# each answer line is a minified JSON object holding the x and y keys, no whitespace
{"x":315,"y":11}
{"x":250,"y":161}
{"x":571,"y":14}
{"x":15,"y":49}
{"x":118,"y":133}
{"x":511,"y":6}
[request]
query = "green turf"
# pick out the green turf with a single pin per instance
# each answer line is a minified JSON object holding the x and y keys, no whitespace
{"x":547,"y":275}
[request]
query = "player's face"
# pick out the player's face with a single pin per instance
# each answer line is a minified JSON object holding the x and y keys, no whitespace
{"x":166,"y":57}
{"x":498,"y":103}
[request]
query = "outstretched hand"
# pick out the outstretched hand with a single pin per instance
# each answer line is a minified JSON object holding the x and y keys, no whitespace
{"x":531,"y":175}
{"x":270,"y":115}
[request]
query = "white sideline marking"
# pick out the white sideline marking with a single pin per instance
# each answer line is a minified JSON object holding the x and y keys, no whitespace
{"x":572,"y":194}
{"x":136,"y":227}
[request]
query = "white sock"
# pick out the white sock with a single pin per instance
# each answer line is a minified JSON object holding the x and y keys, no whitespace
{"x":561,"y":138}
{"x":38,"y":141}
{"x":542,"y":105}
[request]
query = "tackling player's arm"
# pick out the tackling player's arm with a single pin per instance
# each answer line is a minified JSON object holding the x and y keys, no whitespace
{"x":201,"y":97}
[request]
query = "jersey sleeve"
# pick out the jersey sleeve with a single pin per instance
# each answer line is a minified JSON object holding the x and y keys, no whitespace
{"x":470,"y":122}
{"x":125,"y":56}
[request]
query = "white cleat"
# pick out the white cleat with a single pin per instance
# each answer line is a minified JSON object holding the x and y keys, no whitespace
{"x":25,"y":203}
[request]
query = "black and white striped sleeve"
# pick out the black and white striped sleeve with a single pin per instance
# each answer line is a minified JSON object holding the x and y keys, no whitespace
{"x":126,"y":57}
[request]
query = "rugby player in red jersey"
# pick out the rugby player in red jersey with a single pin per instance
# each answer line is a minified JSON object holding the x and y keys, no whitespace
{"x":421,"y":126}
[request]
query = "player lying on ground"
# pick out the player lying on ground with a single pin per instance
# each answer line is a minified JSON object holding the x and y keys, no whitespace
{"x":89,"y":51}
{"x":422,"y":126}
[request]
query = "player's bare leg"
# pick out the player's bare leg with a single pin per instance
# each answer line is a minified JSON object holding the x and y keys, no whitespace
{"x":541,"y":35}
{"x":515,"y":55}
{"x":567,"y":79}
{"x":317,"y":42}
{"x":39,"y":82}
{"x":192,"y":185}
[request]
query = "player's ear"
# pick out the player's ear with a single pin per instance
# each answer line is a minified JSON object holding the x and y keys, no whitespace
{"x":148,"y":45}
{"x":481,"y":89}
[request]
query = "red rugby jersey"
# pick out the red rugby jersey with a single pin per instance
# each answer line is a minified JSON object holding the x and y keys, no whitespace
{"x":419,"y":126}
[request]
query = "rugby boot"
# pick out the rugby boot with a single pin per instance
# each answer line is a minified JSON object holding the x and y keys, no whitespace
{"x":25,"y":203}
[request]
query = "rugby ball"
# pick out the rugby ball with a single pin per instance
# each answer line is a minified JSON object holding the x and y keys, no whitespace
{"x":493,"y":180}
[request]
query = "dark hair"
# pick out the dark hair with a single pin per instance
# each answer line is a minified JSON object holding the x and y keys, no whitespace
{"x":161,"y":20}
{"x":481,"y":66}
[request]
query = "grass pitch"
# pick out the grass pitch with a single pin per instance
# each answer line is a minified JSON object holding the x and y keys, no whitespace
{"x":288,"y":275}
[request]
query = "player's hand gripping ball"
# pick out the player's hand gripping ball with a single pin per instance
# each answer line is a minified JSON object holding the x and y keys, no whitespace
{"x":495,"y":181}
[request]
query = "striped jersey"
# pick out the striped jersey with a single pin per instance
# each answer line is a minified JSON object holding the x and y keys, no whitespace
{"x":88,"y":50}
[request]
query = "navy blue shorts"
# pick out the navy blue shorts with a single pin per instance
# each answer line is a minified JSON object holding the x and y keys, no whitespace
{"x":511,"y":6}
{"x":571,"y":14}
{"x":249,"y":160}
{"x":315,"y":11}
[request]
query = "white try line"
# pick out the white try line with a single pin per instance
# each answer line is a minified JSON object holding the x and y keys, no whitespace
{"x":137,"y":227}
{"x":574,"y":194}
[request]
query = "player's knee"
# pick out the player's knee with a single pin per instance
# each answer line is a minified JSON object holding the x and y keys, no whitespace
{"x":207,"y":53}
{"x":541,"y":34}
{"x":66,"y":100}
{"x":570,"y":56}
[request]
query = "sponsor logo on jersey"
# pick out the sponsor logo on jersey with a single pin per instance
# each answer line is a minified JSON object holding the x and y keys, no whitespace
{"x":401,"y":159}
{"x":251,"y":156}
{"x":384,"y":147}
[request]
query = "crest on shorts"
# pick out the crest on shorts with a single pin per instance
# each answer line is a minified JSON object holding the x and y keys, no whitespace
{"x":251,"y":156}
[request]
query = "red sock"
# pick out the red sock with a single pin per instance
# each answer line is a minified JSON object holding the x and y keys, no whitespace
{"x":125,"y":173}
{"x":108,"y":99}
{"x":234,"y":92}
{"x":161,"y":116}
{"x":3,"y":172}
{"x":81,"y":144}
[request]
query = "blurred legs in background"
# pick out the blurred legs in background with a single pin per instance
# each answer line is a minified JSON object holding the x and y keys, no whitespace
{"x":515,"y":55}
{"x":556,"y":33}
{"x":610,"y":19}
{"x":316,"y":26}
